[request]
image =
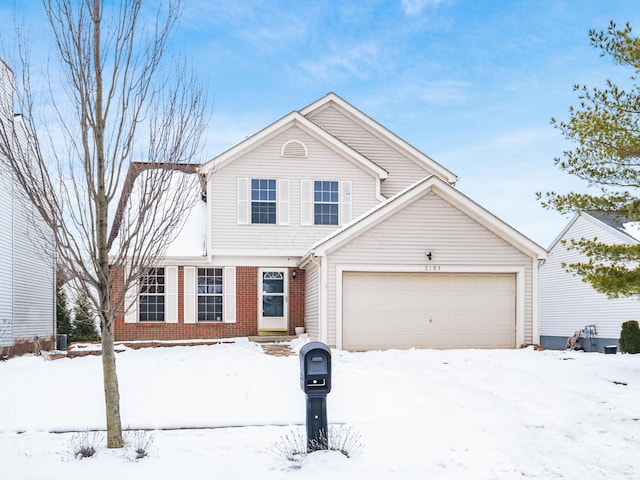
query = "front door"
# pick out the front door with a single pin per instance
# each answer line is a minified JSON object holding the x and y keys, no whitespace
{"x":272,"y":300}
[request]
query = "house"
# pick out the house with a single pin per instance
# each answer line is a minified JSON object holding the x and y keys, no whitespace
{"x":567,"y":304}
{"x":27,"y":272}
{"x":325,"y":219}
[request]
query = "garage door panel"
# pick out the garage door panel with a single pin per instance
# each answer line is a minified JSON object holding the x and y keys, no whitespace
{"x":402,"y":310}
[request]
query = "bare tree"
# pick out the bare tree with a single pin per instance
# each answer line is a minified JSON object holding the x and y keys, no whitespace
{"x":116,"y":101}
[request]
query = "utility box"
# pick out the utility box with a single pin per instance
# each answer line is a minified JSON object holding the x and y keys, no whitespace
{"x":315,"y":382}
{"x":315,"y":368}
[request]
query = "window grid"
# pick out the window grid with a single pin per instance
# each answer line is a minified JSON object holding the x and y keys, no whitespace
{"x":152,"y":289}
{"x":263,"y":201}
{"x":325,"y":198}
{"x":210,"y":291}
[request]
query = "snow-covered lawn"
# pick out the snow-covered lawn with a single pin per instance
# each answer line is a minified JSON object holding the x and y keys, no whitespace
{"x":218,"y":411}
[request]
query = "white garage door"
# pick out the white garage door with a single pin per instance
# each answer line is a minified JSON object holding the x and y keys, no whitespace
{"x":402,"y":310}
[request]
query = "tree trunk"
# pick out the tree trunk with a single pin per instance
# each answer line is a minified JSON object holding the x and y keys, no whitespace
{"x":111,"y":389}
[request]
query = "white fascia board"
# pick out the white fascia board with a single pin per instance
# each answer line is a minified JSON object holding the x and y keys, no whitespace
{"x":382,"y":133}
{"x":286,"y":122}
{"x":405,"y":197}
{"x":563,"y":232}
{"x":246,"y":258}
{"x":490,"y":221}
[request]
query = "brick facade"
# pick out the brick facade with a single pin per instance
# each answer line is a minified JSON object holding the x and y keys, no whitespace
{"x":246,"y":313}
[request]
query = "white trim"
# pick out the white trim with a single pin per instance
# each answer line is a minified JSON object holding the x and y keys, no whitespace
{"x":394,"y":204}
{"x":262,"y":323}
{"x":294,"y":119}
{"x":381,"y":133}
{"x":519,"y":272}
{"x":171,"y":294}
{"x":229,"y":299}
{"x":190,"y":295}
{"x":324,"y":301}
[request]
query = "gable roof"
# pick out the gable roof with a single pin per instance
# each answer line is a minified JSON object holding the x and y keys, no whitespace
{"x":619,"y":224}
{"x":384,"y":134}
{"x":396,"y":203}
{"x":286,"y":122}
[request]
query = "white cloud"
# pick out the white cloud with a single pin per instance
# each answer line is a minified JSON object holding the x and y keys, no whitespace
{"x":359,"y":61}
{"x":415,"y":7}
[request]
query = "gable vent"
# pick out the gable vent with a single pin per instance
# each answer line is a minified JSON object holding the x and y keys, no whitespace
{"x":294,"y":148}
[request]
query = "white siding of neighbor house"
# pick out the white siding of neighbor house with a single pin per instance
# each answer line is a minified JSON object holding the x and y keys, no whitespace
{"x":27,"y":271}
{"x":34,"y":278}
{"x":430,"y":224}
{"x":402,"y":171}
{"x":6,"y":250}
{"x":567,"y":303}
{"x":265,"y":161}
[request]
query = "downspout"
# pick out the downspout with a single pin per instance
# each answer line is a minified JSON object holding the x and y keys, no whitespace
{"x":322,"y":301}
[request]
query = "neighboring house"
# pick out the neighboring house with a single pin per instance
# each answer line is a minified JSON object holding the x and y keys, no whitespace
{"x":567,"y":303}
{"x":27,"y":272}
{"x":325,"y":219}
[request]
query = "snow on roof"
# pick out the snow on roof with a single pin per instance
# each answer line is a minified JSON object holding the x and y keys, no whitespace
{"x":619,"y":221}
{"x":191,"y":241}
{"x":183,"y":192}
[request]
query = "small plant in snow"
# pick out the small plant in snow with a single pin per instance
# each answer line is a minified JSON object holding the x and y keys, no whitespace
{"x":340,"y":438}
{"x":139,"y":442}
{"x":84,"y":444}
{"x":343,"y":439}
{"x":291,"y":446}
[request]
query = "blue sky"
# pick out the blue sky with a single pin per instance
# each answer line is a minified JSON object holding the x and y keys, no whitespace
{"x":471,"y":83}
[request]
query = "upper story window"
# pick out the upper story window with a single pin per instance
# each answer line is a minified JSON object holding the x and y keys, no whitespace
{"x":210,"y":292}
{"x":325,"y":203}
{"x":263,"y":201}
{"x":152,"y":290}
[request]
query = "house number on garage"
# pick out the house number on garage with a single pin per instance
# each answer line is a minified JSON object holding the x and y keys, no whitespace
{"x":432,"y":268}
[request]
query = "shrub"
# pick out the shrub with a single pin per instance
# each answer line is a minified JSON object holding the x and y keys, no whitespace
{"x":630,"y":337}
{"x":341,"y":438}
{"x":140,"y":442}
{"x":84,"y":444}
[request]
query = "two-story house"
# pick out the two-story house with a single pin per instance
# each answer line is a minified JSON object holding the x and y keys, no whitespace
{"x":325,"y":219}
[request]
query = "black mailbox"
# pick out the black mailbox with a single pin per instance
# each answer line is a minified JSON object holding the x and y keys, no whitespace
{"x":315,"y":368}
{"x":315,"y":381}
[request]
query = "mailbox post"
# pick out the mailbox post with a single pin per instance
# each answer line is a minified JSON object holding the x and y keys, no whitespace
{"x":315,"y":381}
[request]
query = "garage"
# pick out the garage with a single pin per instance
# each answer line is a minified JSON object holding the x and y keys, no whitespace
{"x":428,"y":310}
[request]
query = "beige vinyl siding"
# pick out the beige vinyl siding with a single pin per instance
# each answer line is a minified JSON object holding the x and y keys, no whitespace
{"x":265,"y":161}
{"x":430,"y":223}
{"x":567,"y":303}
{"x":312,"y":300}
{"x":402,"y":171}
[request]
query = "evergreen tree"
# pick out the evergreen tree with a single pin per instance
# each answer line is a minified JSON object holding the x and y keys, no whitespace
{"x":630,"y":337}
{"x":84,"y":324}
{"x":606,"y":129}
{"x":63,"y":316}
